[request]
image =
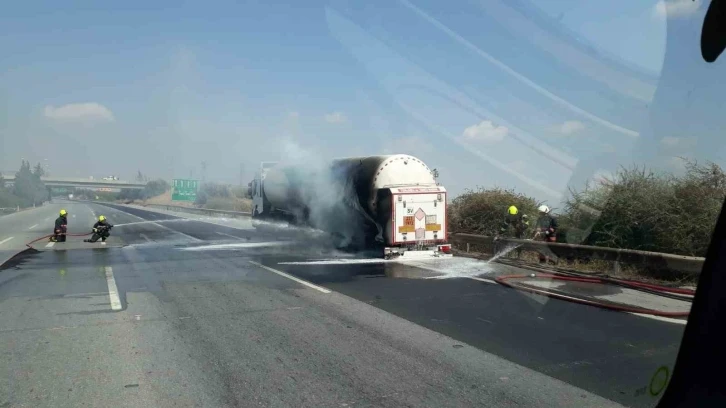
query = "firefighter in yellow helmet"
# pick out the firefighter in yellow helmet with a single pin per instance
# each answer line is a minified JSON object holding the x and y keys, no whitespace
{"x":61,"y":227}
{"x":101,"y":229}
{"x":515,"y":223}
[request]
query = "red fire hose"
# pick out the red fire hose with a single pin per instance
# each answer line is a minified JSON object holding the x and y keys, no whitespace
{"x":504,"y":280}
{"x":29,"y":244}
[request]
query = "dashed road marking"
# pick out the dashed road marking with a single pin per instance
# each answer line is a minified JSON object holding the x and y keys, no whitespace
{"x":112,"y":289}
{"x":145,"y":237}
{"x":298,"y":280}
{"x":49,"y":244}
{"x":6,"y":240}
{"x":33,"y":226}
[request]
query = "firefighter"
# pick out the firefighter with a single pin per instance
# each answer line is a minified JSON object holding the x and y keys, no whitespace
{"x":101,"y":229}
{"x":515,"y":223}
{"x":545,"y":229}
{"x":61,"y":227}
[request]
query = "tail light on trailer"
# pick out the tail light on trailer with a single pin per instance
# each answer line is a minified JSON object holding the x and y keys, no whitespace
{"x":445,"y":249}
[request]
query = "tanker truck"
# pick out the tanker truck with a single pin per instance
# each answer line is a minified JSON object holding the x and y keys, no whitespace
{"x":391,"y":203}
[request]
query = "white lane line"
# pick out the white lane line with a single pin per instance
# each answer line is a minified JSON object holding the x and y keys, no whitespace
{"x":6,"y":240}
{"x":145,"y":237}
{"x":177,"y":232}
{"x":228,"y":235}
{"x":662,"y":318}
{"x":49,"y":244}
{"x":298,"y":280}
{"x":112,"y":289}
{"x":47,"y":219}
{"x":492,"y":281}
{"x":33,"y":226}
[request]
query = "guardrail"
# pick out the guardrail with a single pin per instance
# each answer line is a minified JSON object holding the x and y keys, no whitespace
{"x":9,"y":210}
{"x":657,"y":260}
{"x":201,"y":211}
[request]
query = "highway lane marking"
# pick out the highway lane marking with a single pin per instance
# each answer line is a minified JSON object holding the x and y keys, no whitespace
{"x":177,"y":232}
{"x":112,"y":289}
{"x":228,"y":235}
{"x":49,"y":244}
{"x":145,"y":237}
{"x":6,"y":240}
{"x":33,"y":226}
{"x":492,"y":281}
{"x":47,"y":219}
{"x":298,"y":280}
{"x":662,"y":318}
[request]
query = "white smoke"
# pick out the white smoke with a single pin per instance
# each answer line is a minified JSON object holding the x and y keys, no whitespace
{"x":328,"y":195}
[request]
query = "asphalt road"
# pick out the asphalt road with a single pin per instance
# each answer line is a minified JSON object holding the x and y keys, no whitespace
{"x":175,"y":312}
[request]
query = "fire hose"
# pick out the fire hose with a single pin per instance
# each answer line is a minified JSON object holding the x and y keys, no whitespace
{"x":505,"y":280}
{"x":29,"y":244}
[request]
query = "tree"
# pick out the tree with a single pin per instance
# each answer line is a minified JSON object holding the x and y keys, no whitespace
{"x":2,"y":181}
{"x":28,"y":187}
{"x":38,"y":171}
{"x":140,"y":177}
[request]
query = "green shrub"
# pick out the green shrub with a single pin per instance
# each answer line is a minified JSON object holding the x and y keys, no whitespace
{"x":482,"y":211}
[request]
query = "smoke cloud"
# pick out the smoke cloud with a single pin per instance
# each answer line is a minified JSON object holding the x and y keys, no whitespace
{"x":325,"y":194}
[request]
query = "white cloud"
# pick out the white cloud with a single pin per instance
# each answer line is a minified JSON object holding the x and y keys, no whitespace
{"x":486,"y":131}
{"x":675,"y":8}
{"x":568,"y":128}
{"x":335,"y":117}
{"x":670,"y":141}
{"x":89,"y":111}
{"x":293,"y":115}
{"x":680,"y":142}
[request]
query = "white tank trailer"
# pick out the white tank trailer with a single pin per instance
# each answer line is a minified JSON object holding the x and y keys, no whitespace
{"x":391,"y":202}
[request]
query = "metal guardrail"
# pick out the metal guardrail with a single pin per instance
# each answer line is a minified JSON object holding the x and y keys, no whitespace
{"x":8,"y":210}
{"x":200,"y":211}
{"x":686,"y":264}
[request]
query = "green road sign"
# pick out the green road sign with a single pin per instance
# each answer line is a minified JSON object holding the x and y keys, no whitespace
{"x":184,"y":190}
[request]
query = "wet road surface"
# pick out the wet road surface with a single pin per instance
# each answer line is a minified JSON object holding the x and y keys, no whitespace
{"x":173,"y":312}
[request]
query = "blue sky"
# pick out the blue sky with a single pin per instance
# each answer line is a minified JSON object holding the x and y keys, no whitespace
{"x":532,"y":95}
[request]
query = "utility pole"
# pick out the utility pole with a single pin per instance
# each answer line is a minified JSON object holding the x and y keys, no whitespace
{"x":204,"y":171}
{"x":241,"y":175}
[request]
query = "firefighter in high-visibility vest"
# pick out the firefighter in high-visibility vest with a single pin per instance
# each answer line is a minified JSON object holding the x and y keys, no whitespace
{"x":101,"y":229}
{"x":515,"y":223}
{"x":61,"y":227}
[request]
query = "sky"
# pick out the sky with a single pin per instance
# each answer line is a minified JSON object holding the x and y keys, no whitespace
{"x":534,"y":95}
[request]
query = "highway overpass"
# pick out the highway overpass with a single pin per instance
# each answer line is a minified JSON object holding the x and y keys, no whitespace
{"x":69,"y":182}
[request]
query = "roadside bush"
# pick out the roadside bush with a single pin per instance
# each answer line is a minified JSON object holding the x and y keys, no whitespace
{"x":228,"y":204}
{"x":9,"y":200}
{"x":154,"y":188}
{"x":645,"y":210}
{"x":216,"y":190}
{"x":201,"y":198}
{"x":482,"y":211}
